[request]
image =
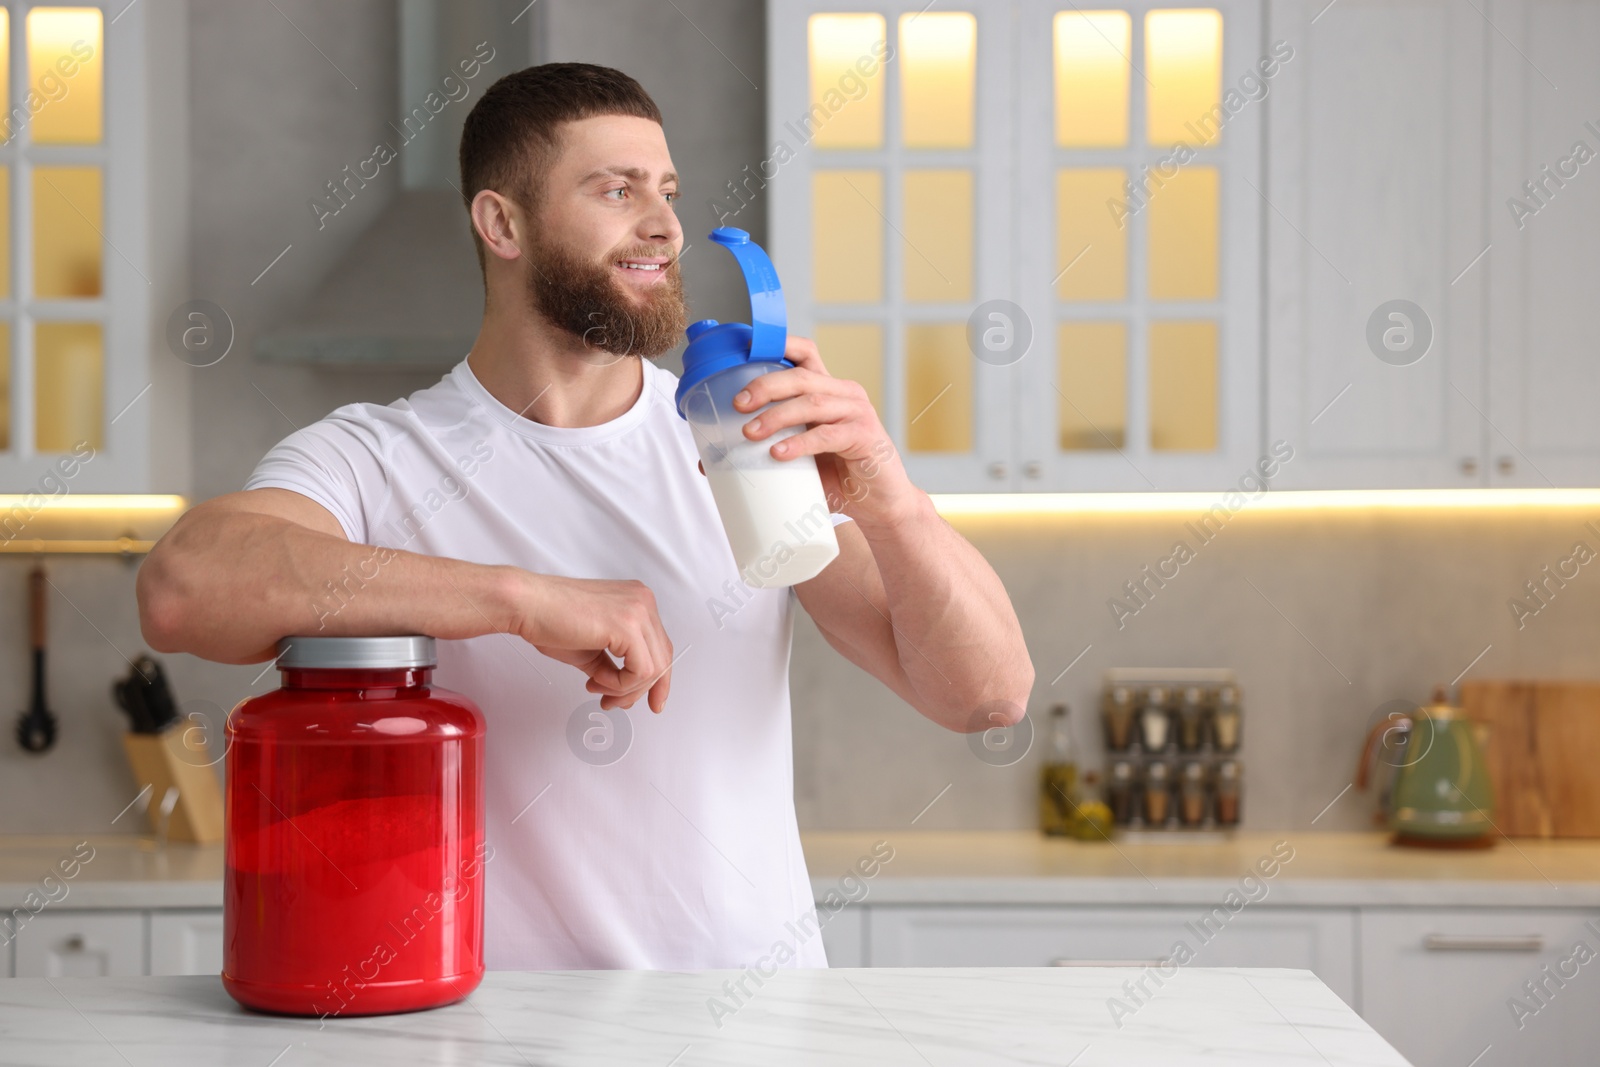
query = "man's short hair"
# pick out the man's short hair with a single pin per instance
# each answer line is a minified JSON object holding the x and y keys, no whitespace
{"x":512,"y":135}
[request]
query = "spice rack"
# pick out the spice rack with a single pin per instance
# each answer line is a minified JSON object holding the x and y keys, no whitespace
{"x":1173,"y":739}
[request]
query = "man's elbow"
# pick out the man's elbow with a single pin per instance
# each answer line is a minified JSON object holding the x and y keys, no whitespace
{"x":162,"y":612}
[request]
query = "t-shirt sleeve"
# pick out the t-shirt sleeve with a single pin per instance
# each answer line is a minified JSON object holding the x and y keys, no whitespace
{"x":839,"y":517}
{"x":337,"y":462}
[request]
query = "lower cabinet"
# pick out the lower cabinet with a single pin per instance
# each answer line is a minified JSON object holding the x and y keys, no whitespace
{"x":113,"y":944}
{"x":1321,"y":940}
{"x":79,"y":944}
{"x":186,"y":942}
{"x":1485,"y":986}
{"x":844,"y":935}
{"x":1448,"y":987}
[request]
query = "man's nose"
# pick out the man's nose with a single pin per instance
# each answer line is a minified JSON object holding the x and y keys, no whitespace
{"x":660,"y":222}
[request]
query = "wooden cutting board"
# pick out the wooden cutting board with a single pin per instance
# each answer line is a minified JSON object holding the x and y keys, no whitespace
{"x":1543,"y":752}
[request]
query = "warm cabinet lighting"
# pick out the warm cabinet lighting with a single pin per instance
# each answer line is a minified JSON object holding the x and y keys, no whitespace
{"x":144,"y":502}
{"x":846,"y":103}
{"x":938,"y":78}
{"x":1091,"y":68}
{"x":86,"y":523}
{"x":64,"y":48}
{"x":1183,"y":58}
{"x":1017,"y":504}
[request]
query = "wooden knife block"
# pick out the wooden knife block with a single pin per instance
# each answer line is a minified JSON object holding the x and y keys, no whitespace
{"x":1543,"y":754}
{"x":162,"y":760}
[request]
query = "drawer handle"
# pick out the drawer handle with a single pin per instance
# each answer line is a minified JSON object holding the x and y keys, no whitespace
{"x":1065,"y":962}
{"x":75,"y":943}
{"x":1483,"y":943}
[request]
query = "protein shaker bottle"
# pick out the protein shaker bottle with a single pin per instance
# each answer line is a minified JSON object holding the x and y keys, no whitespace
{"x":773,"y":510}
{"x":354,"y":855}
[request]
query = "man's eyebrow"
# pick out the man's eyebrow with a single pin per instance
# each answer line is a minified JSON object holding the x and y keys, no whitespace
{"x":626,"y":172}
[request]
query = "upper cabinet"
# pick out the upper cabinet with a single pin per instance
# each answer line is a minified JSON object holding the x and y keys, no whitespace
{"x":1543,"y":208}
{"x":1030,"y":230}
{"x":1137,"y":247}
{"x":1376,"y":234}
{"x":93,"y":165}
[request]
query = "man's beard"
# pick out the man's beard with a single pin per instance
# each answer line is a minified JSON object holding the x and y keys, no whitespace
{"x":584,"y":298}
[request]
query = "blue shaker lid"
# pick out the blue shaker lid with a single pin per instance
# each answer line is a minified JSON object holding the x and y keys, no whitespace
{"x":715,"y":346}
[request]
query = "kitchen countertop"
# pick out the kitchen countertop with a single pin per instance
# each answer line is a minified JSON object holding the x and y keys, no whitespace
{"x":124,"y":872}
{"x":886,"y":1017}
{"x":973,"y":867}
{"x":1326,"y":869}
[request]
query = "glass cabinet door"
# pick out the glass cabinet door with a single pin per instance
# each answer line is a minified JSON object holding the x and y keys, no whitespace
{"x":1139,"y":163}
{"x":893,"y":221}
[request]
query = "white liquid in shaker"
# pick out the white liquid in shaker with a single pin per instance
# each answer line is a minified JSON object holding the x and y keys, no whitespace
{"x":777,"y":522}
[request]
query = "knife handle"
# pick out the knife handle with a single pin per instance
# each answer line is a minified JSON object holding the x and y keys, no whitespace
{"x":36,"y":594}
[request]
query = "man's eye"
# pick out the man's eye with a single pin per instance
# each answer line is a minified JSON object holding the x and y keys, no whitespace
{"x":672,"y":196}
{"x":617,"y":191}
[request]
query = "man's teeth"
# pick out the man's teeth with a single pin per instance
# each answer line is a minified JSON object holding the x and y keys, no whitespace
{"x":643,"y":266}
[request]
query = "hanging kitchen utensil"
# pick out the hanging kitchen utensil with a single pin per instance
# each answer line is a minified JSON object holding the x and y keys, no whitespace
{"x":36,"y":727}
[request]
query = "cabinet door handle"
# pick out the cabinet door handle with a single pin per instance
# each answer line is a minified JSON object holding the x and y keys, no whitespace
{"x":1063,"y":961}
{"x":1483,"y":942}
{"x":1469,"y":466}
{"x":75,"y":943}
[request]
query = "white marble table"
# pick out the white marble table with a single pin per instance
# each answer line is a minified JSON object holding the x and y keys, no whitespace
{"x":917,"y":1017}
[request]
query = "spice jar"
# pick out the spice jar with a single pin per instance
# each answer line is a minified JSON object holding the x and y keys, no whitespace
{"x":1225,"y":720}
{"x":1118,"y":714}
{"x":1155,"y":720}
{"x":1157,"y":794}
{"x":1228,"y":793}
{"x":354,"y":851}
{"x":1120,"y":793}
{"x":1192,"y":793}
{"x":1190,"y":711}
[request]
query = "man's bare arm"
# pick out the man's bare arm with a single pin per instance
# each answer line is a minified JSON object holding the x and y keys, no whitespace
{"x":920,"y":609}
{"x":237,"y":573}
{"x":908,"y":599}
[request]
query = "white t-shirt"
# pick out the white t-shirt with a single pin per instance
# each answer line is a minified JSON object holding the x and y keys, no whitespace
{"x":683,"y":853}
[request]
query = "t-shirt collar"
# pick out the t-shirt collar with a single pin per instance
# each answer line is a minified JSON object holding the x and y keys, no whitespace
{"x":557,"y":435}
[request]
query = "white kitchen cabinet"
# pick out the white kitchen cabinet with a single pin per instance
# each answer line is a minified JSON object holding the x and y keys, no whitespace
{"x":929,"y":228}
{"x":1319,"y":939}
{"x":845,"y":936}
{"x":97,"y":243}
{"x":1375,"y":192}
{"x":186,"y":942}
{"x":81,"y":944}
{"x":1544,"y":212}
{"x":1442,"y":985}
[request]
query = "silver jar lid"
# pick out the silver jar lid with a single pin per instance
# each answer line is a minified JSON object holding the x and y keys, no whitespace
{"x":412,"y":650}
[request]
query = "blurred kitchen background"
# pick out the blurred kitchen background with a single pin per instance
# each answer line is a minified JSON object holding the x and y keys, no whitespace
{"x":1388,"y":185}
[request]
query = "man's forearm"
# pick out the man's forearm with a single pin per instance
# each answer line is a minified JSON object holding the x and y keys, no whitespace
{"x":227,"y":586}
{"x":957,"y":637}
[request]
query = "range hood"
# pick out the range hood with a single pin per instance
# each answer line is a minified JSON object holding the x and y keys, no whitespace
{"x":408,"y":294}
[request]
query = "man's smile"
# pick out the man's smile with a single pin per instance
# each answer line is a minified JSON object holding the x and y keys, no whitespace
{"x":643,"y":272}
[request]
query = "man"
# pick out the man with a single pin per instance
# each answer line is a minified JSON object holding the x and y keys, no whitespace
{"x":540,"y":511}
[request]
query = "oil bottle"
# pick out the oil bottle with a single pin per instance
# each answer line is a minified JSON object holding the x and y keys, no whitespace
{"x":1058,"y":779}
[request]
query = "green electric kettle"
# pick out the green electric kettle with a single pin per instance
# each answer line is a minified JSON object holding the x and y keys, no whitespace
{"x":1440,"y":793}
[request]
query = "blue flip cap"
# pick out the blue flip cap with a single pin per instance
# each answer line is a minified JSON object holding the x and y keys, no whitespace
{"x":716,"y":346}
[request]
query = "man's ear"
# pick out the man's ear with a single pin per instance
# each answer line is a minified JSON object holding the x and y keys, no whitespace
{"x":499,"y":224}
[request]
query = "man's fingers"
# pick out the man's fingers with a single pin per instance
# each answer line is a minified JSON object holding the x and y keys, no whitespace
{"x":782,"y":384}
{"x":828,"y":437}
{"x":802,"y":352}
{"x":658,"y":692}
{"x":801,"y":411}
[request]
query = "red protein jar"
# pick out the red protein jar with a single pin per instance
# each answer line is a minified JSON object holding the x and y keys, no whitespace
{"x":354,"y":852}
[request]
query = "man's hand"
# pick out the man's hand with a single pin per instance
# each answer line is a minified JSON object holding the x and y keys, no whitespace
{"x":579,"y":620}
{"x":861,"y":472}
